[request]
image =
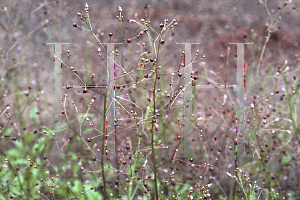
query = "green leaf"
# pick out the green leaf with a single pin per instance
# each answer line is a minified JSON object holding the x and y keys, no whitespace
{"x":295,"y":116}
{"x":74,"y":157}
{"x":33,"y":114}
{"x":39,"y":146}
{"x":14,"y":153}
{"x":285,"y":160}
{"x":18,"y":144}
{"x":77,"y":186}
{"x":89,"y":130}
{"x":29,"y":137}
{"x":7,"y":131}
{"x":222,"y":197}
{"x":94,"y":195}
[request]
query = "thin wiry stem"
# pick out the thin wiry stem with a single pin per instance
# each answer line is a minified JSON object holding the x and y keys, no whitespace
{"x":103,"y":142}
{"x":152,"y":136}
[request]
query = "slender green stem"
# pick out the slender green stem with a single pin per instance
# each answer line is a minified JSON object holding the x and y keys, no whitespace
{"x":261,"y":56}
{"x":138,"y":147}
{"x":122,"y":38}
{"x":152,"y":136}
{"x":90,"y":29}
{"x":291,"y":108}
{"x":103,"y":142}
{"x":236,"y":174}
{"x":240,"y":181}
{"x":269,"y":33}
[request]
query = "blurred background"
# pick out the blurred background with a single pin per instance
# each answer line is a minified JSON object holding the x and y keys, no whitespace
{"x":26,"y":27}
